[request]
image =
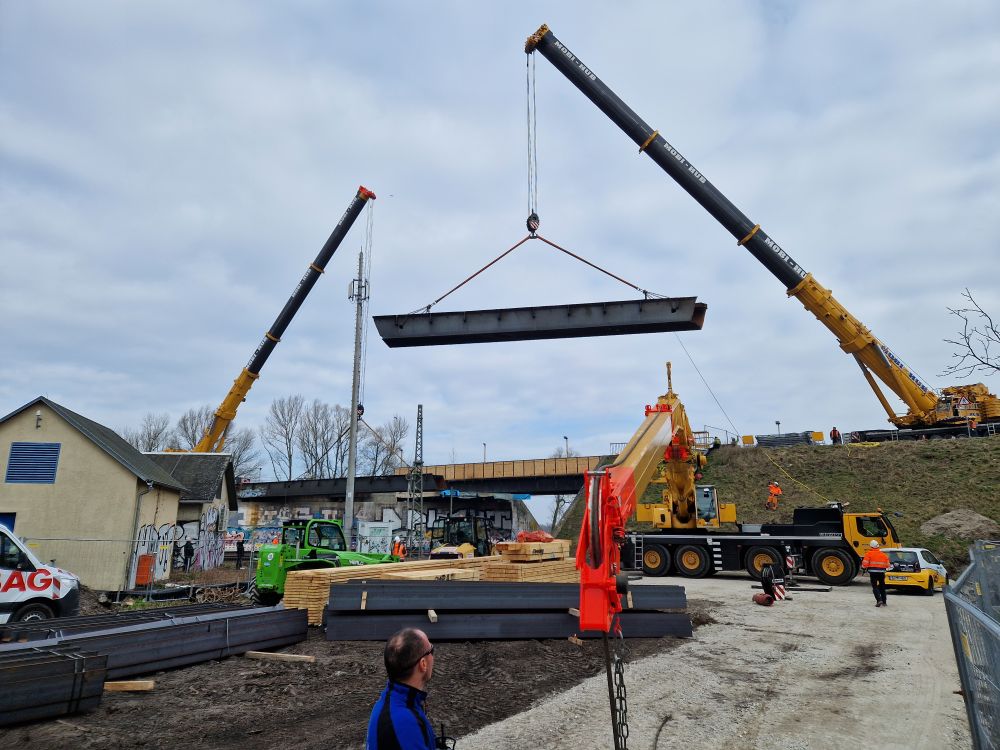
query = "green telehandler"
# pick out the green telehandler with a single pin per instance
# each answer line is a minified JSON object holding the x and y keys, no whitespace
{"x":305,"y":545}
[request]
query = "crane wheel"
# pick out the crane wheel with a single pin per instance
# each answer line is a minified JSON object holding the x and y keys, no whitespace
{"x":832,"y":566}
{"x":760,"y":557}
{"x":655,"y":560}
{"x":691,"y":561}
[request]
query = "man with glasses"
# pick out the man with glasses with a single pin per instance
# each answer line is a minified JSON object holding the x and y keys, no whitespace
{"x":398,"y":721}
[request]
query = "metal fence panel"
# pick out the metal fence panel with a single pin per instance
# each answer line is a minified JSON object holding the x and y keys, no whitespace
{"x":973,"y":605}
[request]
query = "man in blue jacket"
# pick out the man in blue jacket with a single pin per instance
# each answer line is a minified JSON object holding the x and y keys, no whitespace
{"x":398,"y":721}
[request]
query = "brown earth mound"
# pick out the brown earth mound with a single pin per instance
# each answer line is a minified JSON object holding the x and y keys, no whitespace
{"x":963,"y":523}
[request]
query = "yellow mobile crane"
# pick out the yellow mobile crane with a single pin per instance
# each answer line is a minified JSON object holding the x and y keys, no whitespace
{"x":215,"y":436}
{"x":957,"y":409}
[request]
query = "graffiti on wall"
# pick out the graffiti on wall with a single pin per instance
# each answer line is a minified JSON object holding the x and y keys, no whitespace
{"x":166,"y":543}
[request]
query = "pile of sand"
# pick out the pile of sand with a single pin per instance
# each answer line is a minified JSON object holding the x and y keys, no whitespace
{"x":962,"y":523}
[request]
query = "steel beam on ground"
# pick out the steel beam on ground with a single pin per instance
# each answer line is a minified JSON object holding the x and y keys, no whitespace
{"x":547,"y":322}
{"x":139,"y":648}
{"x":444,"y":596}
{"x":500,"y":626}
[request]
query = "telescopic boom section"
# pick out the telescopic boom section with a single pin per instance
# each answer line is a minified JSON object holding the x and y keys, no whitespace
{"x":215,"y":437}
{"x":612,"y":493}
{"x":854,"y":338}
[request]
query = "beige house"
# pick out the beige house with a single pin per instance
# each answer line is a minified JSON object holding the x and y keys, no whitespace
{"x":81,"y":496}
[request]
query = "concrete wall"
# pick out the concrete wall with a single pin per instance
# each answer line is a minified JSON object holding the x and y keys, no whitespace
{"x":84,"y":520}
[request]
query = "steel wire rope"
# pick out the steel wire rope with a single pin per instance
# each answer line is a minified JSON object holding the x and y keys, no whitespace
{"x":646,"y":293}
{"x":778,"y":466}
{"x":532,"y":123}
{"x":368,"y":252}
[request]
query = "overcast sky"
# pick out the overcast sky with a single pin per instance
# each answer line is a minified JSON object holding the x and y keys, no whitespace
{"x":169,"y":169}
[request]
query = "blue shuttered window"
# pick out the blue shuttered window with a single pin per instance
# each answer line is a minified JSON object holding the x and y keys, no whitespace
{"x":33,"y":463}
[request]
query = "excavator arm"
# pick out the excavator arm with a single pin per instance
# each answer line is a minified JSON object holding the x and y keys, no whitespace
{"x":215,"y":436}
{"x":874,"y":357}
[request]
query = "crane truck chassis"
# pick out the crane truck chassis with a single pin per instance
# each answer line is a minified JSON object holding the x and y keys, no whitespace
{"x":827,"y":543}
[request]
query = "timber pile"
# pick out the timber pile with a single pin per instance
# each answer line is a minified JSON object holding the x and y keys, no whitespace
{"x":533,"y":561}
{"x":558,"y":549}
{"x":438,"y":574}
{"x":548,"y":571}
{"x":310,"y":589}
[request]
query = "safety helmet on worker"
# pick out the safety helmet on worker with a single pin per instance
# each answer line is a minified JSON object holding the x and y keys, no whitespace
{"x":873,"y":544}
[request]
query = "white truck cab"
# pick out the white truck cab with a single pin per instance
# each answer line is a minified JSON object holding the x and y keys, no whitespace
{"x":30,"y":590}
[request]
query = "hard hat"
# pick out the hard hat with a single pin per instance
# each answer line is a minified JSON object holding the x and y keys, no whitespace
{"x":396,"y":539}
{"x":873,"y":544}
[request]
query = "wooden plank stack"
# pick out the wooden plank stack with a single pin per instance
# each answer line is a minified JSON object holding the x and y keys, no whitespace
{"x":528,"y":562}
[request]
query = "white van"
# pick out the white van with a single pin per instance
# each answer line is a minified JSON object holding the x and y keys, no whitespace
{"x":30,"y":590}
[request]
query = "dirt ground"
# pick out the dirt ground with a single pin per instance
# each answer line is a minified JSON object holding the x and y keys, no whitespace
{"x":243,"y":703}
{"x":824,"y":670}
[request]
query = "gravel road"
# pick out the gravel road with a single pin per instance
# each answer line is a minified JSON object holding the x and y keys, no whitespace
{"x":826,"y":670}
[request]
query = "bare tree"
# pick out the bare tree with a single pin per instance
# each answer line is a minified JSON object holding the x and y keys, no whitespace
{"x":342,"y":423}
{"x":978,"y":342}
{"x":242,"y":444}
{"x":152,"y":435}
{"x":191,"y":427}
{"x":561,"y":503}
{"x":379,"y":453}
{"x":318,"y":439}
{"x":280,"y":434}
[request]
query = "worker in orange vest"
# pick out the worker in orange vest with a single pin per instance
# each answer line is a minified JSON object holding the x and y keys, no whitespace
{"x":876,"y":563}
{"x":773,"y":493}
{"x":399,"y":548}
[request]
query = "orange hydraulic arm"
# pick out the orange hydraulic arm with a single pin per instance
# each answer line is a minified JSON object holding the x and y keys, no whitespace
{"x":612,"y":493}
{"x":215,"y":437}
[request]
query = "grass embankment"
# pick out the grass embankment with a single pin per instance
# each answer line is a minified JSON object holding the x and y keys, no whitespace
{"x":920,"y":480}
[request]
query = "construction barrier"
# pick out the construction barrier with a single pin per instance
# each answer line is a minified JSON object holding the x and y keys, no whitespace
{"x":973,"y":605}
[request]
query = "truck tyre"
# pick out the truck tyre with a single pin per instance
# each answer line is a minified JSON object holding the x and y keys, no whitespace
{"x":758,"y":557}
{"x":35,"y":612}
{"x":691,"y":561}
{"x":655,"y":560}
{"x":832,"y":566}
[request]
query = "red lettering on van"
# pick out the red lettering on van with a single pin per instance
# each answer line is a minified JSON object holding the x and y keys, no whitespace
{"x":14,"y":581}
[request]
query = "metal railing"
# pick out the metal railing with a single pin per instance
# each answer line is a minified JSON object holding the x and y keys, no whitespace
{"x":973,"y":605}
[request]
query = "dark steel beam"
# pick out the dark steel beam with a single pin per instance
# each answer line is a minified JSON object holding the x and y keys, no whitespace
{"x":455,"y":626}
{"x":445,"y":596}
{"x":548,"y":322}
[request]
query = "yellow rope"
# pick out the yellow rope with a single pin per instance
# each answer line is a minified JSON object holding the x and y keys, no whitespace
{"x":780,"y":468}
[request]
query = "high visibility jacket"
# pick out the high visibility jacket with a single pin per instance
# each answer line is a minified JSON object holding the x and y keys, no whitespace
{"x":399,"y":549}
{"x":398,"y":721}
{"x":774,"y":490}
{"x":875,"y":561}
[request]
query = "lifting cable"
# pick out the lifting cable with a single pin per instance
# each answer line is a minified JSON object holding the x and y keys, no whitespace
{"x":367,"y":251}
{"x":534,"y":236}
{"x":532,"y":115}
{"x":778,"y":466}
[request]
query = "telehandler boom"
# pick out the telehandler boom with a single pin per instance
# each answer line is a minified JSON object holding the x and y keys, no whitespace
{"x":956,"y":406}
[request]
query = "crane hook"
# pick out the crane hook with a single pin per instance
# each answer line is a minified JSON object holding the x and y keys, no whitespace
{"x":533,"y":222}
